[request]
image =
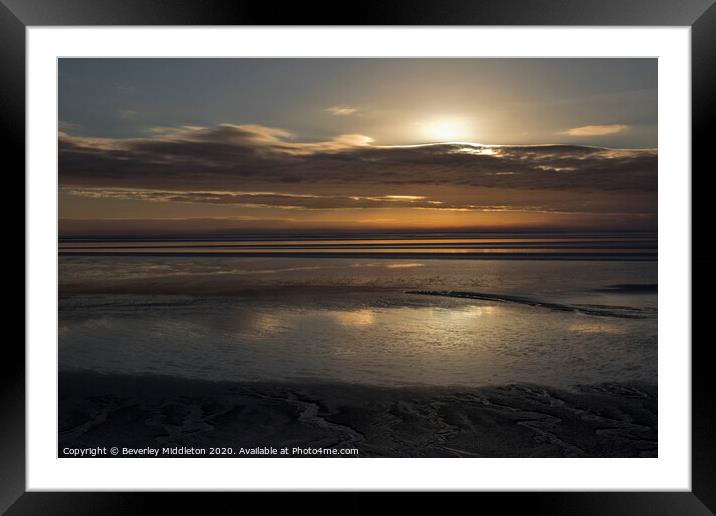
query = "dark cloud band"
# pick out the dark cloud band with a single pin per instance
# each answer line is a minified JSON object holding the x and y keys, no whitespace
{"x":232,"y":158}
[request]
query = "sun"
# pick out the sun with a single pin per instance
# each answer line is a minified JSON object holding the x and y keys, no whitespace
{"x":445,"y":130}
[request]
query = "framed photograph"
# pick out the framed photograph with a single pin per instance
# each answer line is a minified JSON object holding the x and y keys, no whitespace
{"x":443,"y":248}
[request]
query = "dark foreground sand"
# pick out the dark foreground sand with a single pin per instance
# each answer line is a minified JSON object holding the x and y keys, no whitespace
{"x":611,"y":420}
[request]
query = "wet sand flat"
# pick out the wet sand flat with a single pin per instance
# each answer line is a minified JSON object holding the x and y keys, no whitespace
{"x":605,"y":420}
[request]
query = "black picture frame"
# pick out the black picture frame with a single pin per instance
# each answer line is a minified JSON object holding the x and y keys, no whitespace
{"x":700,"y":15}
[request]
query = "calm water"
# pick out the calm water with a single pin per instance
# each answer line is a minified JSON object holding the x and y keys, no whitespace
{"x":389,"y":321}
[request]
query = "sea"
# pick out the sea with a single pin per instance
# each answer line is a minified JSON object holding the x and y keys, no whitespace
{"x":557,"y":309}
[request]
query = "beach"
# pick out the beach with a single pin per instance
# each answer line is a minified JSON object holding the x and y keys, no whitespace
{"x":389,"y":357}
{"x":608,"y":420}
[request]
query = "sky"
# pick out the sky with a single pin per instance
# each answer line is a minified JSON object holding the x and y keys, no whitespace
{"x":203,"y":146}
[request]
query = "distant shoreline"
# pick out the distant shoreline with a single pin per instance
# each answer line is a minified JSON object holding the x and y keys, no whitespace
{"x":643,"y":257}
{"x":374,"y":235}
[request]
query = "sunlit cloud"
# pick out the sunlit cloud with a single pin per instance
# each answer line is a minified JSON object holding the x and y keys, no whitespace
{"x":596,"y":130}
{"x":313,"y":202}
{"x":342,"y":110}
{"x":280,"y":200}
{"x":64,"y":126}
{"x":479,"y":150}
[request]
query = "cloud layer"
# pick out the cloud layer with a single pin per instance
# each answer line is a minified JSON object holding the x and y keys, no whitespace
{"x":342,"y":110}
{"x":252,"y":158}
{"x":596,"y":130}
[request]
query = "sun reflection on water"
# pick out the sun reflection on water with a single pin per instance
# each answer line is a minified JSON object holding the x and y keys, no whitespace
{"x":359,"y":317}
